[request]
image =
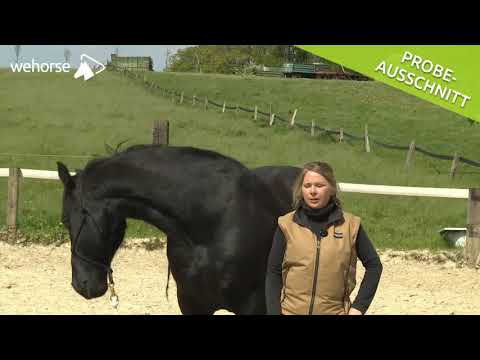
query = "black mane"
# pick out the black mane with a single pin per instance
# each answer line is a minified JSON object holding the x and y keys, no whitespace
{"x":188,"y":152}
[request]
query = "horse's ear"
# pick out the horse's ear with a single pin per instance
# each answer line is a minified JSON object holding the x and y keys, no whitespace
{"x":65,"y":176}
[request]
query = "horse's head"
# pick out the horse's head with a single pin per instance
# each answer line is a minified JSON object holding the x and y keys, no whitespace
{"x":95,"y":234}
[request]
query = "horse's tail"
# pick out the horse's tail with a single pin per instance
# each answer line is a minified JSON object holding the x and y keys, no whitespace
{"x":168,"y":279}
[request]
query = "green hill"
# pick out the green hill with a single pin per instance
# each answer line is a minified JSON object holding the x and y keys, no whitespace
{"x":54,"y":114}
{"x":391,"y":115}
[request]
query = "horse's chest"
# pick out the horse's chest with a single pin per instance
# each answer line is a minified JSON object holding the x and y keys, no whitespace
{"x":193,"y":267}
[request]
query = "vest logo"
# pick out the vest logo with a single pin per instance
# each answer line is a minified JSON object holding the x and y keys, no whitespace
{"x":85,"y":70}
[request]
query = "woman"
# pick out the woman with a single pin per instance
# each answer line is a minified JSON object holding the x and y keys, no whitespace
{"x":312,"y":263}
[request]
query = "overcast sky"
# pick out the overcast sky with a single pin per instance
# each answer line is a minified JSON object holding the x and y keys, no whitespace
{"x":54,"y":53}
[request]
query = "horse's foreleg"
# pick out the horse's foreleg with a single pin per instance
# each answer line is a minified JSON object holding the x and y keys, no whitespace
{"x":189,"y":306}
{"x":253,"y":305}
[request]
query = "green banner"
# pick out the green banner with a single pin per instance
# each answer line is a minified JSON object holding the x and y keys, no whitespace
{"x":446,"y":75}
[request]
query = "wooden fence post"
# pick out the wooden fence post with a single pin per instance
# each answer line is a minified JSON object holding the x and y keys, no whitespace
{"x":181,"y":98}
{"x":12,"y":203}
{"x":453,"y":168}
{"x":165,"y":133}
{"x":472,"y":245}
{"x":161,"y":133}
{"x":340,"y":139}
{"x":155,"y":133}
{"x":272,"y":119}
{"x":223,"y":109}
{"x":367,"y":142}
{"x":292,"y":122}
{"x":312,"y":131}
{"x":255,"y":113}
{"x":206,"y":103}
{"x":411,"y":152}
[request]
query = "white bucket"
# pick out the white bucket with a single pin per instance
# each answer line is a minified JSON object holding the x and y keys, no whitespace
{"x":455,"y":236}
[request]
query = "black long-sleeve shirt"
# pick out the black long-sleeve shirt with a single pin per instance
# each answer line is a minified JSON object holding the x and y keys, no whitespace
{"x":365,"y":252}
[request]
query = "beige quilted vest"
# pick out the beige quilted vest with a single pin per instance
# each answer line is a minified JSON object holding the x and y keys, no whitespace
{"x":318,"y":275}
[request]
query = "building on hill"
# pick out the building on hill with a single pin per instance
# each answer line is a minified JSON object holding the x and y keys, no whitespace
{"x":131,"y":63}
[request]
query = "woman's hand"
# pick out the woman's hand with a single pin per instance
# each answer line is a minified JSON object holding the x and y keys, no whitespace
{"x":354,"y":311}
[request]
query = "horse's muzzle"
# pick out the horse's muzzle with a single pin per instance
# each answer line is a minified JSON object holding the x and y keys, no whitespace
{"x":89,"y":290}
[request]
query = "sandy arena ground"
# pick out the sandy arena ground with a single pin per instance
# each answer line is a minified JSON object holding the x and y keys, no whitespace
{"x":36,"y":280}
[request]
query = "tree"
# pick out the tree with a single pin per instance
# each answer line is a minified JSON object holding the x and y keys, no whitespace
{"x":197,"y":61}
{"x":167,"y":60}
{"x":17,"y":49}
{"x":67,"y":53}
{"x":234,"y":59}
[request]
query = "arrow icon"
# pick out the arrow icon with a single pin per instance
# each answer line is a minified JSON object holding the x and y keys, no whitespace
{"x":85,"y":70}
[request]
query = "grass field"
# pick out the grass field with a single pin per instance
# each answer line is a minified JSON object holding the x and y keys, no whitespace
{"x":391,"y":115}
{"x":53,"y":114}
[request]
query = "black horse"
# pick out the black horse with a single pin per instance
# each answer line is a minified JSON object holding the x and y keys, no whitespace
{"x":219,"y":218}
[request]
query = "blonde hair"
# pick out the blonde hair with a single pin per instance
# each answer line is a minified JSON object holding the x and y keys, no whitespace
{"x":321,"y":168}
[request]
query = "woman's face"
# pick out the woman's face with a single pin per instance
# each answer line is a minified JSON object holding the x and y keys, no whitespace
{"x":316,"y":190}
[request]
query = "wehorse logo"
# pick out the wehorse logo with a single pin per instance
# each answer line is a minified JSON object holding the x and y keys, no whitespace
{"x":34,"y":66}
{"x":84,"y":70}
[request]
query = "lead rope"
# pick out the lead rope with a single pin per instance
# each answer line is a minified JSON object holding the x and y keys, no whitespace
{"x":168,"y":274}
{"x":168,"y":279}
{"x":114,"y":300}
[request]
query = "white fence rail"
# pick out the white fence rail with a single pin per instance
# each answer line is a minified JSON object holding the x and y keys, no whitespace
{"x":34,"y":174}
{"x":404,"y":190}
{"x":343,"y":187}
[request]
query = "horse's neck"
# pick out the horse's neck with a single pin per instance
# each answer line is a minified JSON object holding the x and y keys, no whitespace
{"x":138,"y":210}
{"x":160,"y":199}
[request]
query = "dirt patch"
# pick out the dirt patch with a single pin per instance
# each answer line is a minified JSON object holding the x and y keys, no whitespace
{"x":36,"y":280}
{"x":422,"y":282}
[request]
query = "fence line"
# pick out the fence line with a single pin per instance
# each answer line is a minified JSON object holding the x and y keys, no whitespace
{"x":472,"y":246}
{"x":49,"y":155}
{"x":451,"y":193}
{"x":299,"y":124}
